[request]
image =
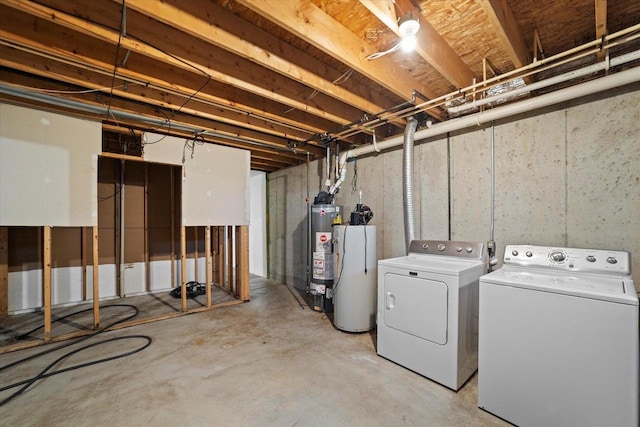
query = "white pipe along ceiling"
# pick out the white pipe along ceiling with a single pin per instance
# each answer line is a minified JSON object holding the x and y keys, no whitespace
{"x":583,"y":89}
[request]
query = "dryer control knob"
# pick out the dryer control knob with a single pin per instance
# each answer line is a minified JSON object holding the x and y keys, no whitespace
{"x":591,"y":258}
{"x":441,"y":247}
{"x":514,"y":253}
{"x":469,"y":249}
{"x":529,"y":254}
{"x":612,"y":260}
{"x":458,"y":249}
{"x":425,"y":246}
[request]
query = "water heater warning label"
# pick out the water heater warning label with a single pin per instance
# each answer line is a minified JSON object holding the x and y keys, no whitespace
{"x":323,"y":265}
{"x":323,"y":242}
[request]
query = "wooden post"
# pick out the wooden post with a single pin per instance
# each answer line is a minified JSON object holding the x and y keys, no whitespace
{"x":214,"y":252}
{"x":230,"y":256}
{"x":147,"y":284}
{"x":96,"y":284}
{"x":242,"y":244}
{"x":83,"y":255}
{"x":195,"y":253}
{"x":46,"y":268}
{"x":4,"y":271}
{"x":183,"y":266}
{"x":221,"y":262}
{"x":173,"y":230}
{"x":207,"y":256}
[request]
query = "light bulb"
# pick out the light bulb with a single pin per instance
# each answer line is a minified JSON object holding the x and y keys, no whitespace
{"x":408,"y":44}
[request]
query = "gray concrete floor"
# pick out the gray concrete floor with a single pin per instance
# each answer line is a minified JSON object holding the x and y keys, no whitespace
{"x":269,"y":362}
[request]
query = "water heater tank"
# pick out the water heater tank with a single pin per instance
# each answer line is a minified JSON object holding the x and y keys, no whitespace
{"x":356,"y":274}
{"x":323,"y":218}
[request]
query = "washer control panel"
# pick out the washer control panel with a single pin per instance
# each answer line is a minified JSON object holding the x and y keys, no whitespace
{"x":470,"y":250}
{"x":571,"y":259}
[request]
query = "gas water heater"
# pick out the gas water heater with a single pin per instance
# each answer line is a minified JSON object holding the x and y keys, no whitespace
{"x":324,"y":215}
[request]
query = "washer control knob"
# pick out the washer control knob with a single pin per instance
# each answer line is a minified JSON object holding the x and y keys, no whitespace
{"x":469,"y":249}
{"x":441,"y":247}
{"x":612,"y":260}
{"x":591,"y":258}
{"x":529,"y":254}
{"x":425,"y":246}
{"x":458,"y":249}
{"x":514,"y":253}
{"x":557,"y":256}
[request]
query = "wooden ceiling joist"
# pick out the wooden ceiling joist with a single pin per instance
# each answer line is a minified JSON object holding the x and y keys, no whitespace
{"x":314,"y":26}
{"x":506,"y":27}
{"x":113,"y":37}
{"x":200,"y":28}
{"x":431,"y":46}
{"x":601,"y":24}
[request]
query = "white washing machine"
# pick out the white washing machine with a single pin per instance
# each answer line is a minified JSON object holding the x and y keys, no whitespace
{"x":428,"y":309}
{"x":558,"y":338}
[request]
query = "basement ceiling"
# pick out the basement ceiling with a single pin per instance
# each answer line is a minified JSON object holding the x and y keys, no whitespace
{"x":281,"y":78}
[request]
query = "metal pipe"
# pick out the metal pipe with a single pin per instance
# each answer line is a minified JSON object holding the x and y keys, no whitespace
{"x":407,"y":182}
{"x":24,"y":93}
{"x":122,"y":229}
{"x":585,"y":71}
{"x":583,"y":89}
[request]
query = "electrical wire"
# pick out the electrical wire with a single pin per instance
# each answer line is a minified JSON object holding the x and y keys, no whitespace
{"x":381,"y":54}
{"x":45,"y":373}
{"x":115,"y":62}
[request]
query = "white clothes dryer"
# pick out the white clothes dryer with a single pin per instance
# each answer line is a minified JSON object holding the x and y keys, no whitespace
{"x":427,"y":316}
{"x":558,"y":338}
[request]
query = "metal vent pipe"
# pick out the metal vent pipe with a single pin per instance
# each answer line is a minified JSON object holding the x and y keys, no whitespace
{"x":407,"y":182}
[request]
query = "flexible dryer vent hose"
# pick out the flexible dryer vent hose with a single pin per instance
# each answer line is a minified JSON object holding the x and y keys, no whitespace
{"x":407,"y":181}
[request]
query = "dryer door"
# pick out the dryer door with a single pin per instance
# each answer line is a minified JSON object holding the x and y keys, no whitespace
{"x":416,"y":306}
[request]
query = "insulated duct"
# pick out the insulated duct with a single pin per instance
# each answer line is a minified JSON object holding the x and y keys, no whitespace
{"x":407,"y":181}
{"x":583,"y":89}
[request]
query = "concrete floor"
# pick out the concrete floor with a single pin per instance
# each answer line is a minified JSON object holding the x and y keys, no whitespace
{"x":270,"y":362}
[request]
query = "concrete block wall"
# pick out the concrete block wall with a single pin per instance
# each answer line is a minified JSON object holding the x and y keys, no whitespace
{"x":567,"y":176}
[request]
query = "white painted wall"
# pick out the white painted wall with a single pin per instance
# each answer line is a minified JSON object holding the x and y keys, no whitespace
{"x":565,"y":176}
{"x":257,"y":227}
{"x":215,"y":183}
{"x":48,"y":166}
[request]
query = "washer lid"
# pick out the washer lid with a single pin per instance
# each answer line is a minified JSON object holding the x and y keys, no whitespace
{"x":619,"y":290}
{"x":434,"y":264}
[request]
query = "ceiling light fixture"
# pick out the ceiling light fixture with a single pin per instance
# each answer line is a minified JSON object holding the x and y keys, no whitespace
{"x":408,"y":25}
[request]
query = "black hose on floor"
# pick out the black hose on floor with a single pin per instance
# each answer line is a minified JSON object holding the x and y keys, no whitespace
{"x":44,"y":373}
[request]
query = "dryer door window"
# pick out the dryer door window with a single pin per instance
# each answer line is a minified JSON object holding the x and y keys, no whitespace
{"x":416,"y":306}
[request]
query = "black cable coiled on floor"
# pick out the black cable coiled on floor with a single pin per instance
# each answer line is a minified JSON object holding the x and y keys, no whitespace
{"x":44,"y":373}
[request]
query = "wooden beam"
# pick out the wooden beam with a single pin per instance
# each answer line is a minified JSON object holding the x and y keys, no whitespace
{"x":384,"y":10}
{"x":507,"y":30}
{"x":198,"y":26}
{"x":601,"y":24}
{"x":4,"y":272}
{"x":222,"y":239}
{"x":96,"y":277}
{"x":151,"y":9}
{"x":83,"y":259}
{"x":216,"y":265}
{"x":46,"y":279}
{"x":431,"y":46}
{"x":230,"y":257}
{"x":172,"y":196}
{"x":207,"y":257}
{"x":310,"y":23}
{"x":145,"y":210}
{"x":195,"y":254}
{"x":183,"y":267}
{"x":242,"y":255}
